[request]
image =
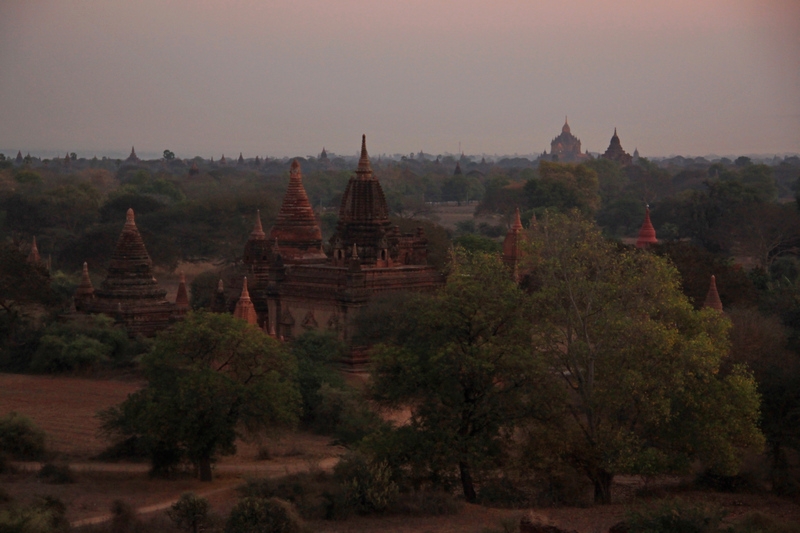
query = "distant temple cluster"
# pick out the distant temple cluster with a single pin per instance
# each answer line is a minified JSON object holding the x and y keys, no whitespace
{"x":566,"y":148}
{"x":292,"y":282}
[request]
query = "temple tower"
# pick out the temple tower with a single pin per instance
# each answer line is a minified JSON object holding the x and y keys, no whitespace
{"x":244,"y":307}
{"x":614,"y":152}
{"x":712,"y":297}
{"x":296,"y":231}
{"x":512,"y":245}
{"x":647,"y":233}
{"x":85,"y":291}
{"x":364,"y":219}
{"x":33,"y":256}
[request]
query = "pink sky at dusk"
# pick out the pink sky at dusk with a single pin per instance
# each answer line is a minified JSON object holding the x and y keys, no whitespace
{"x":287,"y":78}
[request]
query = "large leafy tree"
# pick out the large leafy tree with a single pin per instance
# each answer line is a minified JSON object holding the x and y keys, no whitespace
{"x":461,"y":361}
{"x":640,"y":364}
{"x":211,"y":379}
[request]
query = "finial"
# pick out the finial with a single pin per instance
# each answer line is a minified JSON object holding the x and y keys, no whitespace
{"x":355,"y":251}
{"x":245,"y":293}
{"x":517,"y":225}
{"x":258,"y":230}
{"x":220,"y":287}
{"x":295,"y":168}
{"x":129,"y":219}
{"x":364,"y":167}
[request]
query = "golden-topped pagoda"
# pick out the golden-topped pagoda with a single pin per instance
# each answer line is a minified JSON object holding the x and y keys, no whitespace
{"x":566,"y":148}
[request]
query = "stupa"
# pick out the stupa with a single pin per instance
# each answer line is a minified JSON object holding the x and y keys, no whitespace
{"x":647,"y":233}
{"x":614,"y":152}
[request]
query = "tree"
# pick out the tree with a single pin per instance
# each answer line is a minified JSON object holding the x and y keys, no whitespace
{"x":169,"y":155}
{"x":460,"y":360}
{"x":211,"y":379}
{"x":640,"y":364}
{"x":564,"y":187}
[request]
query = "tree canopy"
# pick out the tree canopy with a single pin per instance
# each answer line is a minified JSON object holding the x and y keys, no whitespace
{"x":211,"y":378}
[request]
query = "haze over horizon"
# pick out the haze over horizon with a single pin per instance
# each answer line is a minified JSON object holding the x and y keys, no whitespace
{"x":287,"y":78}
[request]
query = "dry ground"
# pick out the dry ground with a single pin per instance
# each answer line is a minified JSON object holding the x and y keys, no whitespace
{"x":65,"y":407}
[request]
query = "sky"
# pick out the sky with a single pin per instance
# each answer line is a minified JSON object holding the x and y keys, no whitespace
{"x":287,"y":78}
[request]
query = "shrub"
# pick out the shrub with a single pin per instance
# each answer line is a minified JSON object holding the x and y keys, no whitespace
{"x":123,"y":517}
{"x":761,"y":523}
{"x":20,"y":439}
{"x":55,"y":474}
{"x":259,"y":515}
{"x":313,"y":494}
{"x":189,"y":513}
{"x":675,"y":516}
{"x":47,"y":515}
{"x":502,"y":492}
{"x":743,"y":482}
{"x":345,"y":414}
{"x":368,"y":485}
{"x":57,"y":354}
{"x":426,"y":503}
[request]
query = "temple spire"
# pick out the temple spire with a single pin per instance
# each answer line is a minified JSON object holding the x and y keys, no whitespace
{"x":517,"y":224}
{"x":244,"y":307}
{"x":130,"y":220}
{"x":647,"y":233}
{"x":712,"y":298}
{"x":33,"y":256}
{"x":258,"y":231}
{"x":182,"y":298}
{"x":364,"y":170}
{"x":85,"y":290}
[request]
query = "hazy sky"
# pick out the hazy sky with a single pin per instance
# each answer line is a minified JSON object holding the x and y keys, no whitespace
{"x":689,"y":77}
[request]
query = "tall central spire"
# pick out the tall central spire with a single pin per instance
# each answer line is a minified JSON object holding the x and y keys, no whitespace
{"x":364,"y":170}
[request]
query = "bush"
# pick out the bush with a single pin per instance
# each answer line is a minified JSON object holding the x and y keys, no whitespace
{"x":123,"y":517}
{"x":259,"y":515}
{"x":20,"y":439}
{"x":744,"y":482}
{"x":189,"y":513}
{"x":55,"y":474}
{"x":502,"y":492}
{"x":344,"y":414}
{"x":47,"y":515}
{"x":57,"y":354}
{"x":674,"y":516}
{"x":313,"y":494}
{"x":426,"y":503}
{"x":761,"y":523}
{"x":368,"y":485}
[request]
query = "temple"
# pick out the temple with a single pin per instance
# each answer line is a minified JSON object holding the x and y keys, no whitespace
{"x":512,"y":245}
{"x":133,"y":158}
{"x":566,"y":148}
{"x":712,"y":297}
{"x":297,"y":285}
{"x":647,"y":233}
{"x":130,"y":293}
{"x":616,"y":153}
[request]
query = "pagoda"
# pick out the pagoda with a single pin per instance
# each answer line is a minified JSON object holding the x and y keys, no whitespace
{"x":299,"y":286}
{"x":566,"y":148}
{"x":512,"y":245}
{"x":133,"y":158}
{"x":647,"y":233}
{"x":712,"y":297}
{"x":130,"y":293}
{"x":33,"y":256}
{"x":614,"y":152}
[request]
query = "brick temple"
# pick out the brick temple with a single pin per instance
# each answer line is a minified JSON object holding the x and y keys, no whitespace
{"x":296,"y":285}
{"x":130,"y":294}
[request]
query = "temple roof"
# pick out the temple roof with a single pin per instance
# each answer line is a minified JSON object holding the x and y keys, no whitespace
{"x":615,"y":152}
{"x":133,"y":156}
{"x":712,"y":298}
{"x":85,"y":288}
{"x":130,"y":273}
{"x":182,"y":298}
{"x":565,"y":127}
{"x":33,"y":255}
{"x":244,"y":307}
{"x":647,"y":233}
{"x":296,"y":230}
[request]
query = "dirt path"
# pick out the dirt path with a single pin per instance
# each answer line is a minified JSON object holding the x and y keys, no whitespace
{"x":261,"y":470}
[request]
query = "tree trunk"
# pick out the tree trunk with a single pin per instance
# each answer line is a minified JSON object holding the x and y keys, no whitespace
{"x":602,"y":486}
{"x":466,"y":482}
{"x":205,"y":468}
